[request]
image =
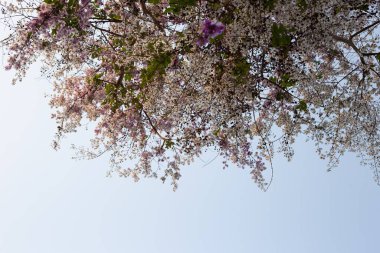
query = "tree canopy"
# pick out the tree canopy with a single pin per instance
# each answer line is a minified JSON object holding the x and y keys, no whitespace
{"x":166,"y":80}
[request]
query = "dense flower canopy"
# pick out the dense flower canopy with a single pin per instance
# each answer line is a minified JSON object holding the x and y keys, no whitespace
{"x":166,"y":80}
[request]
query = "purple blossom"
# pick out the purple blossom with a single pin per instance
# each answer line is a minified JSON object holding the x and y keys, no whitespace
{"x":210,"y":29}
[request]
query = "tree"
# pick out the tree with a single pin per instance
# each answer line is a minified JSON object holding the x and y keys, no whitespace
{"x":165,"y":80}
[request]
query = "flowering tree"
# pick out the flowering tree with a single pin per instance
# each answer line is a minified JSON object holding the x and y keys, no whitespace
{"x":165,"y":80}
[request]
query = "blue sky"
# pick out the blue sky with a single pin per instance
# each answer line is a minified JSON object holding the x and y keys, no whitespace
{"x":51,"y":203}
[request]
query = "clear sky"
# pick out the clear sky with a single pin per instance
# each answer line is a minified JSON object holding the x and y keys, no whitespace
{"x":51,"y":203}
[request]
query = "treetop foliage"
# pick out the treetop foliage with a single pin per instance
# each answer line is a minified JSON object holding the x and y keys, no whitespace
{"x":166,"y":80}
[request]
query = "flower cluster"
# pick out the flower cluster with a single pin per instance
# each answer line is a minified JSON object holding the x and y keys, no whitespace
{"x":210,"y":29}
{"x":162,"y":86}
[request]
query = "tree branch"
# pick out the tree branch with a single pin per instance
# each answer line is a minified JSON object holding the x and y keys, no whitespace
{"x":147,"y":12}
{"x":364,"y":29}
{"x":350,"y":43}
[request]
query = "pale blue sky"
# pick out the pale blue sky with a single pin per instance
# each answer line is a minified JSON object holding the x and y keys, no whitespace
{"x":50,"y":203}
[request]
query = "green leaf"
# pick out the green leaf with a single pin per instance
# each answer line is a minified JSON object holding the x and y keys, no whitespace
{"x":96,"y":78}
{"x":72,"y":3}
{"x":280,"y":36}
{"x":29,"y":36}
{"x":241,"y":69}
{"x":115,"y":17}
{"x":128,"y":75}
{"x":95,"y":51}
{"x":175,"y":6}
{"x":216,"y":39}
{"x":378,"y":57}
{"x":302,"y":106}
{"x":286,"y":81}
{"x":216,"y":132}
{"x":51,"y":1}
{"x":302,"y":4}
{"x":273,"y":79}
{"x":363,"y":7}
{"x":55,"y":29}
{"x":169,"y":144}
{"x":156,"y":67}
{"x":269,"y":4}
